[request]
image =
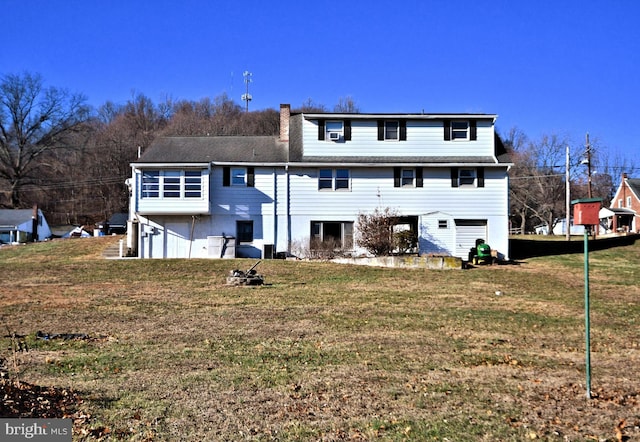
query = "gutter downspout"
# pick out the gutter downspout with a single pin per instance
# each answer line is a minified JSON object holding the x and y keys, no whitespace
{"x":288,"y":214}
{"x":275,"y":210}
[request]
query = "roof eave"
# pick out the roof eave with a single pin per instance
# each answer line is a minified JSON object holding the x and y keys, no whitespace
{"x":341,"y":116}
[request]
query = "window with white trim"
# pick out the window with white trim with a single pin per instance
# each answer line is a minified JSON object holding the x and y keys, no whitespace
{"x":336,"y":233}
{"x":466,"y":177}
{"x":628,"y":202}
{"x":238,"y":176}
{"x":150,"y":184}
{"x":459,"y":130}
{"x":334,"y":130}
{"x":391,"y":130}
{"x":169,"y":184}
{"x":334,"y":179}
{"x":407,"y":178}
{"x":192,"y":184}
{"x":443,"y":224}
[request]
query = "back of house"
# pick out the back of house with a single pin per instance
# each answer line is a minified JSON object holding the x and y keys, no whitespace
{"x":443,"y":175}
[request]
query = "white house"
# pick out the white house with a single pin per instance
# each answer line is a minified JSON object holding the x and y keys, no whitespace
{"x":445,"y":174}
{"x":23,"y":225}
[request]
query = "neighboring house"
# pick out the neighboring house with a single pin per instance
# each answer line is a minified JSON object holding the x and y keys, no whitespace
{"x":622,"y":215}
{"x":23,"y":225}
{"x":247,"y":196}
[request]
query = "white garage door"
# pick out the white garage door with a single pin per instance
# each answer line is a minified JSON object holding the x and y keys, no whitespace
{"x":467,"y":232}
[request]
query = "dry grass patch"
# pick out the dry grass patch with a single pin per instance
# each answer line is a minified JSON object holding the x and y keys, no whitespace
{"x":326,"y":352}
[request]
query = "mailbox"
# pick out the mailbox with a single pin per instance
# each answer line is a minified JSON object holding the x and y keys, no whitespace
{"x":586,"y":211}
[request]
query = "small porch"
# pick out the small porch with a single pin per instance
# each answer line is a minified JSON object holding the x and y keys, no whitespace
{"x":617,"y":220}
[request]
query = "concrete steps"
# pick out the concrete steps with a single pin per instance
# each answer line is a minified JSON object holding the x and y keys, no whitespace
{"x":113,"y":250}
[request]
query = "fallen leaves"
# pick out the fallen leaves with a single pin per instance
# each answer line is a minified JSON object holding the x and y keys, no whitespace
{"x":24,"y":400}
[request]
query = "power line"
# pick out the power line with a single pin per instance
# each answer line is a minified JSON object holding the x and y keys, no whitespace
{"x":74,"y":184}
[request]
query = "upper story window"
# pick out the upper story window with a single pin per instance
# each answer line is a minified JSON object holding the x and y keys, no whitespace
{"x":467,"y":177}
{"x":334,"y":130}
{"x":407,"y":177}
{"x":334,"y":179}
{"x":460,"y":130}
{"x":192,"y":184}
{"x":392,"y":130}
{"x":150,"y":184}
{"x":620,"y":206}
{"x":342,"y":179}
{"x":238,"y":176}
{"x":171,"y":184}
{"x":628,"y":202}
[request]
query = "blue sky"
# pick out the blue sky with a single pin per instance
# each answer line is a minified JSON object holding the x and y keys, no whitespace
{"x":564,"y":67}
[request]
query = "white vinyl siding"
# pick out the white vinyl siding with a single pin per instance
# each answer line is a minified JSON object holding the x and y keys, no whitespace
{"x":424,"y":138}
{"x":373,"y":187}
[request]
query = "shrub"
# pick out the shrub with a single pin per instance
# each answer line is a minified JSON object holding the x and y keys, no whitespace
{"x":375,"y":231}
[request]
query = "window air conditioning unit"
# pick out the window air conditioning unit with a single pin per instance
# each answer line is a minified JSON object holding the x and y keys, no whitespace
{"x":334,"y":136}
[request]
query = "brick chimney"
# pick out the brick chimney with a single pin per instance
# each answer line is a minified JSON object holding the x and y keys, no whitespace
{"x":285,"y":113}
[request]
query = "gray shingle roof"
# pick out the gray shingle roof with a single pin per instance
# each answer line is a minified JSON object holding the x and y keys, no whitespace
{"x":14,"y":217}
{"x":634,"y":184}
{"x":257,"y":149}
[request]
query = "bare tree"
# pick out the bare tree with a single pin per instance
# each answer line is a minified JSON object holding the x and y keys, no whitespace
{"x":310,"y":106}
{"x":346,"y":105}
{"x":537,"y":184}
{"x":375,"y":231}
{"x":34,"y":120}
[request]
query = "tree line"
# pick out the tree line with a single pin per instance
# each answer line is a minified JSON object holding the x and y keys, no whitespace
{"x":538,"y":177}
{"x":72,"y":160}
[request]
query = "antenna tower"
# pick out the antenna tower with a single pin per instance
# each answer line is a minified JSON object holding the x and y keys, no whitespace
{"x":246,"y":97}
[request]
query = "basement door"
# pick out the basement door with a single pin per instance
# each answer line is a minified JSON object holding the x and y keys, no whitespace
{"x":467,"y":232}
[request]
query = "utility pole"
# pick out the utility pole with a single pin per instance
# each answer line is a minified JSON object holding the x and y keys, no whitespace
{"x":567,"y":197}
{"x":246,"y":97}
